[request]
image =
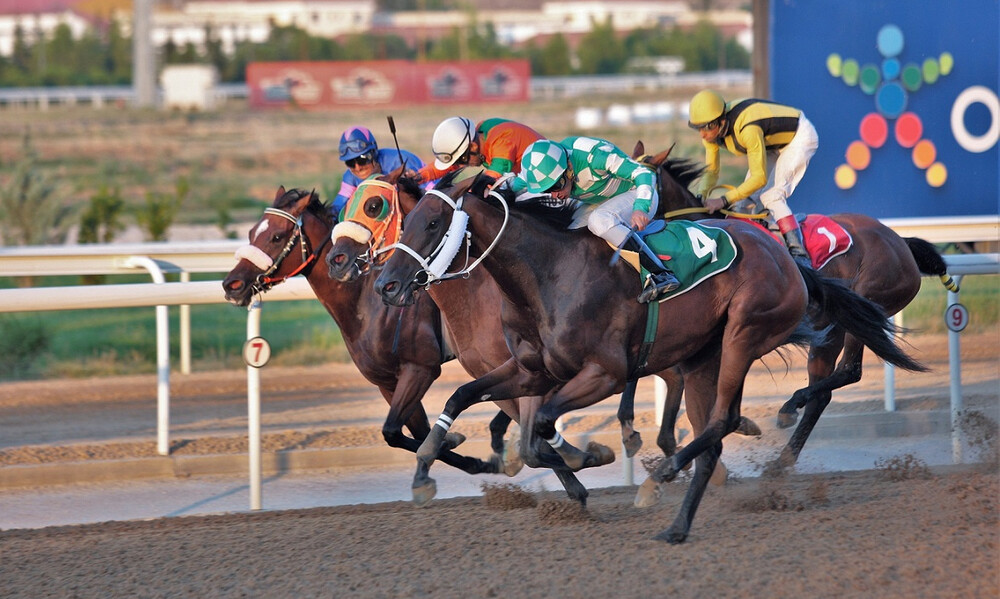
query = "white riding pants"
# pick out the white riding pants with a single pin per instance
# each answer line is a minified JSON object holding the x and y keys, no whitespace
{"x":611,"y":220}
{"x":787,"y":167}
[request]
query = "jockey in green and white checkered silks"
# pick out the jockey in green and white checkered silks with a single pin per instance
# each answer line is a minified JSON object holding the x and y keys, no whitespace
{"x":614,"y":192}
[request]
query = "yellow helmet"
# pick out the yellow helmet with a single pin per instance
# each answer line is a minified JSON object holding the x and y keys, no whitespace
{"x":706,"y":106}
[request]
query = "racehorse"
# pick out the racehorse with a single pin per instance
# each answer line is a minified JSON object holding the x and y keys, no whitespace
{"x":361,"y":243}
{"x":398,"y":351}
{"x":575,"y":329}
{"x":879,"y":265}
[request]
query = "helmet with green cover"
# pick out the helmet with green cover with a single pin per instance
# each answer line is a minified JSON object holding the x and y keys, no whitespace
{"x":542,"y":164}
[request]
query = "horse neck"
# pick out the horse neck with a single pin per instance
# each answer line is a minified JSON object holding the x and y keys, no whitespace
{"x":347,"y":303}
{"x":674,"y":197}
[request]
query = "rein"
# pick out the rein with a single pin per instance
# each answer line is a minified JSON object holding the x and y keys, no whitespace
{"x":437,"y":262}
{"x":264,"y":280}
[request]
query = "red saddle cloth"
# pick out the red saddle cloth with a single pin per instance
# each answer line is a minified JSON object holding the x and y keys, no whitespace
{"x":825,"y":238}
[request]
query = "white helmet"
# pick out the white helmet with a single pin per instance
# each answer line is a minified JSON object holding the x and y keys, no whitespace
{"x":451,"y":140}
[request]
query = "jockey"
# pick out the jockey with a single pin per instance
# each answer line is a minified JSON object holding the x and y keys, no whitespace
{"x":616,"y":196}
{"x":361,"y":155}
{"x":778,"y":142}
{"x":497,"y":144}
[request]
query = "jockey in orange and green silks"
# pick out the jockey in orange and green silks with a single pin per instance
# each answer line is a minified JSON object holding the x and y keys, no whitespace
{"x":497,"y":144}
{"x":778,"y":142}
{"x":615,"y":195}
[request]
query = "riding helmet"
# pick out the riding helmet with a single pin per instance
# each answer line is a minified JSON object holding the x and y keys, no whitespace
{"x":451,"y":140}
{"x":356,"y":141}
{"x":542,"y":164}
{"x":706,"y":106}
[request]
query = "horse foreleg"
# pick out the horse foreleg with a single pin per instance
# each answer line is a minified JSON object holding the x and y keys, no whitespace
{"x":848,"y":371}
{"x":631,"y":439}
{"x":592,"y":384}
{"x":503,"y":382}
{"x":537,"y":453}
{"x":666,"y":439}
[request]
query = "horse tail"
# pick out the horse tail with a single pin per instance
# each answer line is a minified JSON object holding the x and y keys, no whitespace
{"x":858,"y":316}
{"x":930,"y":262}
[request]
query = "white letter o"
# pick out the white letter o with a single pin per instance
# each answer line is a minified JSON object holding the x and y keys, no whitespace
{"x":985,"y":96}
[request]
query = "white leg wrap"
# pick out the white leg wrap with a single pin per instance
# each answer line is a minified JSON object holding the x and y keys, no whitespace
{"x":444,"y":422}
{"x":556,"y":442}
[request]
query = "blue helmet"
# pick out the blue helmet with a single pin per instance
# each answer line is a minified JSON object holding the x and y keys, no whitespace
{"x":356,"y":141}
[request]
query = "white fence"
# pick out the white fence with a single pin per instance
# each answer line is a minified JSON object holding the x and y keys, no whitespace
{"x":207,"y":257}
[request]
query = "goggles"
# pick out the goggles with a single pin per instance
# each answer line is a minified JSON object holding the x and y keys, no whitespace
{"x":447,"y":157}
{"x":354,"y":145}
{"x":560,"y":182}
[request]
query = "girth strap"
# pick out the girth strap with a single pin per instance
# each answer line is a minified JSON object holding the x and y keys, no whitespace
{"x":652,"y":320}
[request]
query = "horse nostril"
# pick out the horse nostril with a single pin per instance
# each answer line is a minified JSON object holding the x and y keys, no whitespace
{"x":339,"y":259}
{"x":234,"y":285}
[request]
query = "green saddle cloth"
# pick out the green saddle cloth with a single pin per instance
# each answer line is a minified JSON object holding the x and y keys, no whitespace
{"x":693,"y":251}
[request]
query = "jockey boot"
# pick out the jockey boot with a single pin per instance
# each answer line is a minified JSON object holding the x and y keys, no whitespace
{"x":797,"y":247}
{"x":661,"y":280}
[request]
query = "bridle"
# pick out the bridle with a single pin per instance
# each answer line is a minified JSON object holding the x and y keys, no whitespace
{"x":380,"y":233}
{"x":265,"y":280}
{"x":433,"y":267}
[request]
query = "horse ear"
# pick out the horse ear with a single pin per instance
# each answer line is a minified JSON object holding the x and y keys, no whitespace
{"x":280,"y":194}
{"x":394,"y":176}
{"x":639,"y":150}
{"x":313,"y":196}
{"x":662,"y":156}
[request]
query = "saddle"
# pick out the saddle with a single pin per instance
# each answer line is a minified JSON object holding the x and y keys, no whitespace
{"x":824,"y":238}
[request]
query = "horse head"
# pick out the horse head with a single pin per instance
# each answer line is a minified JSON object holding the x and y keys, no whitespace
{"x":371,"y":224}
{"x":673,"y":176}
{"x":297,"y":220}
{"x":433,"y":232}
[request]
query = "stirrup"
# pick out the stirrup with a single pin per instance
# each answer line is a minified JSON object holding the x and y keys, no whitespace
{"x":657,"y":285}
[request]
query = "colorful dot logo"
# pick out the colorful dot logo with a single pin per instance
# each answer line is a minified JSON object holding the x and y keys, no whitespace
{"x":891,"y":84}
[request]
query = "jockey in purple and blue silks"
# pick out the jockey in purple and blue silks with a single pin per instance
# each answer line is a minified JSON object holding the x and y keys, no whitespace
{"x":361,"y":155}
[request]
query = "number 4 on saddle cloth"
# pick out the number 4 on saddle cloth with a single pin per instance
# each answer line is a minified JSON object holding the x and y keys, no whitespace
{"x":694,"y":252}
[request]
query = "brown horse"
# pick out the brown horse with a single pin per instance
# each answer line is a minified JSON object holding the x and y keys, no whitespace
{"x":880,"y":265}
{"x":398,"y":351}
{"x":574,"y":327}
{"x":360,"y":244}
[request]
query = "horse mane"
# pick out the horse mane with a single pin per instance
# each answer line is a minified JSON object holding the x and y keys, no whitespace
{"x":316,"y":207}
{"x":558,"y":218}
{"x":409,"y":186}
{"x":683,"y":170}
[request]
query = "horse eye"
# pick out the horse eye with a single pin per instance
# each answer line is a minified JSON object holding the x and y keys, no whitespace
{"x":276,"y":238}
{"x":434,"y":224}
{"x":374,"y":207}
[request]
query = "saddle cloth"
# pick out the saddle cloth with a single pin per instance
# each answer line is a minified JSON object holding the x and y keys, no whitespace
{"x":825,"y":239}
{"x":694,"y":252}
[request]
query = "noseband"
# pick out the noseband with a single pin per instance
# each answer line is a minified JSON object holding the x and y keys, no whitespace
{"x":433,"y":267}
{"x":260,"y":259}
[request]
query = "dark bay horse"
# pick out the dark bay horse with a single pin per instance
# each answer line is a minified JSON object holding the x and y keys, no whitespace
{"x":574,"y":327}
{"x":880,"y":266}
{"x":472,"y":324}
{"x":398,"y":351}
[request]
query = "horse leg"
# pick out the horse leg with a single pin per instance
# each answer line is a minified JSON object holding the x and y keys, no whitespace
{"x":509,"y":462}
{"x":537,"y":453}
{"x":822,"y":359}
{"x":848,"y":371}
{"x":704,"y":466}
{"x":631,"y":439}
{"x":592,"y":384}
{"x":404,"y":405}
{"x":666,"y":439}
{"x":505,"y":382}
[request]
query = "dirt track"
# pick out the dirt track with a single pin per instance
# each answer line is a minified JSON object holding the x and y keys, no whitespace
{"x":898,"y":531}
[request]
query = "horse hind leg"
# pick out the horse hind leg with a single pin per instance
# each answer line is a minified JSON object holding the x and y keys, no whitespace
{"x":822,"y":360}
{"x":704,"y":466}
{"x":848,"y":371}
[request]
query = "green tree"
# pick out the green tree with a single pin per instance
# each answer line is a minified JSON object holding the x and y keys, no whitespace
{"x":32,"y":210}
{"x":552,"y":58}
{"x":102,"y":219}
{"x":600,"y":51}
{"x":159,"y":211}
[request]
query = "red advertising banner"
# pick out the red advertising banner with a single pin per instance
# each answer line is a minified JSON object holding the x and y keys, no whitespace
{"x":320,"y":85}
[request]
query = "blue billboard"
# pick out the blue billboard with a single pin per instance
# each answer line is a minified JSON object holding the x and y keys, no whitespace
{"x":903,"y":94}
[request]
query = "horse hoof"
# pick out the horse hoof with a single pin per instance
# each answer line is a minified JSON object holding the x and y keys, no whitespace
{"x":602,"y":454}
{"x":633,"y":444}
{"x":648,"y":495}
{"x":428,"y":450}
{"x":719,"y":475}
{"x":453,"y":440}
{"x":787,"y":420}
{"x":749,"y":428}
{"x":671,"y":536}
{"x":423,"y":494}
{"x":665,"y":472}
